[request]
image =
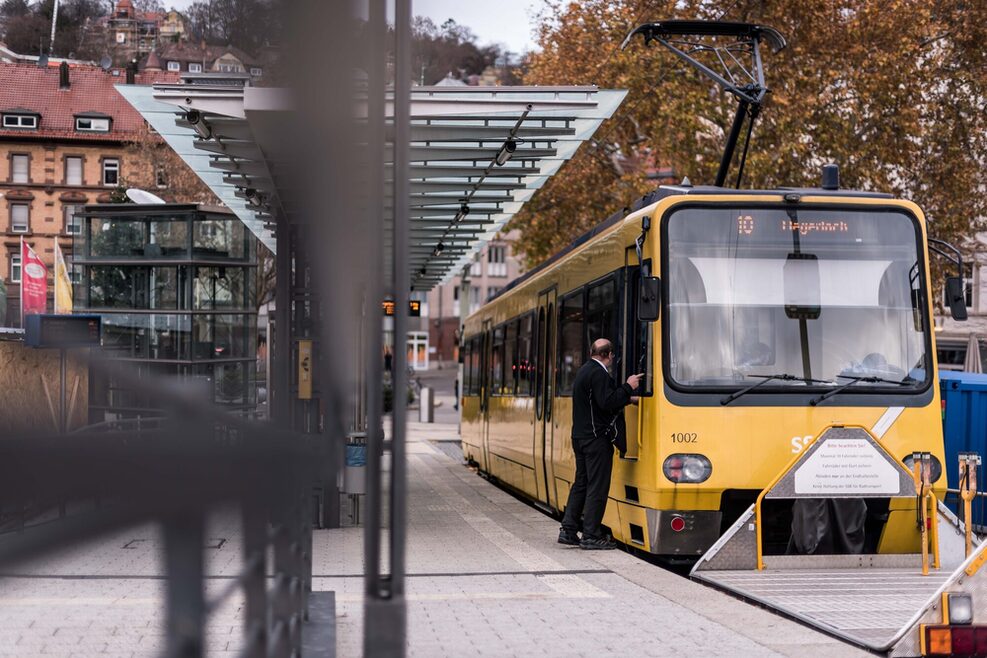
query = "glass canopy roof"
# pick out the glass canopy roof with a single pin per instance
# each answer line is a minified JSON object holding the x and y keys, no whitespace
{"x":477,"y":155}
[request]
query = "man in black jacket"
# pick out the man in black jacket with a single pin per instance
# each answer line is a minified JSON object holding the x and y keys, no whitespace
{"x":597,"y":404}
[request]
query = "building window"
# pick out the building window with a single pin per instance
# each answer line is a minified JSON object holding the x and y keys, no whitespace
{"x":256,"y":72}
{"x":75,"y":273}
{"x":92,"y":125}
{"x":176,"y":66}
{"x":111,"y":172}
{"x":19,"y":169}
{"x":20,"y":218}
{"x":15,"y":268}
{"x":73,"y":170}
{"x":28,"y":121}
{"x":496,"y":260}
{"x":73,"y":222}
{"x":474,"y":298}
{"x":121,"y":37}
{"x":194,"y":67}
{"x":493,"y":291}
{"x":476,"y":269}
{"x":160,"y":177}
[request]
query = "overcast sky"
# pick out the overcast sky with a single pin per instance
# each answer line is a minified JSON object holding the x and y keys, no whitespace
{"x":507,"y":22}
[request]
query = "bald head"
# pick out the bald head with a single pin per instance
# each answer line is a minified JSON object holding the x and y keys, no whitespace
{"x":601,"y":347}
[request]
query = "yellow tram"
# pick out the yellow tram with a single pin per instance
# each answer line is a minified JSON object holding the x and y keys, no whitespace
{"x":780,"y":313}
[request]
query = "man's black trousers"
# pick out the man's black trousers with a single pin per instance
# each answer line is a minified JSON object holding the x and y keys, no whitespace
{"x":588,"y":496}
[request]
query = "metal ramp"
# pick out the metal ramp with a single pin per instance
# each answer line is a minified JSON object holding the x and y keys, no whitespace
{"x":874,"y":601}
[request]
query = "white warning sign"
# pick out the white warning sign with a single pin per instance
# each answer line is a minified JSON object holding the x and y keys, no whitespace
{"x":847,"y":467}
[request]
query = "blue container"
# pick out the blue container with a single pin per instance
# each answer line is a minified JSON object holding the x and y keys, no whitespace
{"x":964,"y":426}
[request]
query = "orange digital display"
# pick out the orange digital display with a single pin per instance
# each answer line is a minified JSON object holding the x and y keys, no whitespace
{"x":414,"y":308}
{"x":746,"y":225}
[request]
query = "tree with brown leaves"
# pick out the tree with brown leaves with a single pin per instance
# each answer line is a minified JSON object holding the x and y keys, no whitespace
{"x":891,"y":90}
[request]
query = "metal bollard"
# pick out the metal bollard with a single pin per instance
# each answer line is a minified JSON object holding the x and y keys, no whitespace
{"x":426,"y":405}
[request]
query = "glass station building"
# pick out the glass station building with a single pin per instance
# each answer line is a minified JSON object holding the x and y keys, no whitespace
{"x":175,"y":286}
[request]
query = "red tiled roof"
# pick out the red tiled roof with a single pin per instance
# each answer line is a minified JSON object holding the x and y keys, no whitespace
{"x":91,"y":91}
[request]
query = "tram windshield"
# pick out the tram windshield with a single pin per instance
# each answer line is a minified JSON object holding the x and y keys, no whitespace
{"x":823,"y":295}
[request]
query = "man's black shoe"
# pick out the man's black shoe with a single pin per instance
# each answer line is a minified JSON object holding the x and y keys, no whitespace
{"x":603,"y":544}
{"x":568,"y":537}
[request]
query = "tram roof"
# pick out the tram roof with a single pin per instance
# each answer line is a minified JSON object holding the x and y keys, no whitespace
{"x":456,"y":135}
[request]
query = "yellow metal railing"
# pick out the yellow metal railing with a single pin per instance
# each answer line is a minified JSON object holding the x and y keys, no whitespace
{"x":968,"y":491}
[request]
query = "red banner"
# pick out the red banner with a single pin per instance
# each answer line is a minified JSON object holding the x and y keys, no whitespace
{"x":34,"y":283}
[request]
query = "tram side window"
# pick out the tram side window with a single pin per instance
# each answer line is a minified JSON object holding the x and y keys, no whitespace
{"x":572,"y":352}
{"x":465,"y":359}
{"x":639,"y":357}
{"x":525,"y":369}
{"x":601,"y":313}
{"x":497,"y":362}
{"x":474,"y":377}
{"x":510,"y":358}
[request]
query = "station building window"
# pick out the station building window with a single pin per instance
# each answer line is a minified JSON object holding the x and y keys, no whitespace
{"x":175,"y":300}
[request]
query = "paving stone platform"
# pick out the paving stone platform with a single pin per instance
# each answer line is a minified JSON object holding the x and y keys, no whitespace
{"x":486,"y":578}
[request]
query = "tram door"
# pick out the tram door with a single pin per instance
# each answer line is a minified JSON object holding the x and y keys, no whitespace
{"x":544,"y":397}
{"x":631,"y":359}
{"x":486,"y":344}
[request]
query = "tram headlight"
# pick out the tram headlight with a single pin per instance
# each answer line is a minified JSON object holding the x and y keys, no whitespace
{"x":685,"y":468}
{"x":936,"y":466}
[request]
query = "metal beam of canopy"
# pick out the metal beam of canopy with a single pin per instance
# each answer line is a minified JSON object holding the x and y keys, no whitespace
{"x":456,"y":133}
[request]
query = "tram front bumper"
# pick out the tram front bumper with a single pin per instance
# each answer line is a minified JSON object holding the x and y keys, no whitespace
{"x":684,"y":532}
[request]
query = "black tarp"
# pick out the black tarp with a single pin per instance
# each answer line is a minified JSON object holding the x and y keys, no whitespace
{"x":828,"y":526}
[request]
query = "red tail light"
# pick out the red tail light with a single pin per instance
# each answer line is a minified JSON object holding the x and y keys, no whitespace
{"x":955,"y":641}
{"x":677,"y":523}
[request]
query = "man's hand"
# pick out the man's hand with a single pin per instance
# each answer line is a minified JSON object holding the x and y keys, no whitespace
{"x":635,"y":399}
{"x":635,"y":380}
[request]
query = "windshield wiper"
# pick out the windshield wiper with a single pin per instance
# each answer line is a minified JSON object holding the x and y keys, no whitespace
{"x":769,"y":378}
{"x":855,"y":380}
